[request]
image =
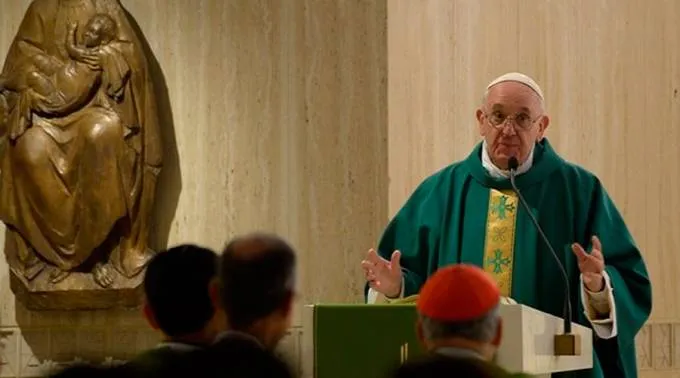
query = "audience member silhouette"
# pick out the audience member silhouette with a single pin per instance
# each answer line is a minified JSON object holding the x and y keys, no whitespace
{"x":256,"y":289}
{"x":178,"y":304}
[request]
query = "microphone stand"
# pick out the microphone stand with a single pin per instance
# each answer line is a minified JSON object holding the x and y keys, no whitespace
{"x":567,"y":343}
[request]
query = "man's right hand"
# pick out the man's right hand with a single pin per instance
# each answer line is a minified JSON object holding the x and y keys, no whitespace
{"x":383,"y":276}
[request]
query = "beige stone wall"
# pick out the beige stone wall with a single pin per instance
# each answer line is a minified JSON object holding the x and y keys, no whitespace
{"x":278,"y":122}
{"x":610,"y":72}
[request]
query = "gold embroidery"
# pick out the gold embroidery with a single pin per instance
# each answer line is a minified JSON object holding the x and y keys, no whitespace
{"x":403,"y":353}
{"x":499,"y":244}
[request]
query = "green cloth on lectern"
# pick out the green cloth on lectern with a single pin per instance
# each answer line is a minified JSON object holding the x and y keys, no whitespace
{"x":444,"y":222}
{"x":363,"y":341}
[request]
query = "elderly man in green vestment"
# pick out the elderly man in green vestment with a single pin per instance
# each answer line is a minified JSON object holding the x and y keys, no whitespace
{"x":468,"y":213}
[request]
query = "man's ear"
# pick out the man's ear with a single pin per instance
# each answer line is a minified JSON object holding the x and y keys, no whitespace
{"x":287,"y":307}
{"x":480,"y":121}
{"x":499,"y":333}
{"x":542,"y":126}
{"x":219,"y":320}
{"x":149,"y":315}
{"x":214,"y":292}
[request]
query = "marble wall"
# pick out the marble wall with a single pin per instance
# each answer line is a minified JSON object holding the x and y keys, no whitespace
{"x":277,"y":120}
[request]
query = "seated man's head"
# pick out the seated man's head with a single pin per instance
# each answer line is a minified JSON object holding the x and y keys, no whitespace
{"x":257,"y":286}
{"x":177,"y":290}
{"x":458,"y":307}
{"x":100,"y":30}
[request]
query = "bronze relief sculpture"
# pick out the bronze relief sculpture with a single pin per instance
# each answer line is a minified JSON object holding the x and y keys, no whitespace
{"x":80,"y":157}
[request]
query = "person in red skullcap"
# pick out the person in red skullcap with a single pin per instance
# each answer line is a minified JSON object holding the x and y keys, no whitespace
{"x":459,"y":323}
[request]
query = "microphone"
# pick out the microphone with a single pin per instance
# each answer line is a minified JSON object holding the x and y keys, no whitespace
{"x":565,"y":344}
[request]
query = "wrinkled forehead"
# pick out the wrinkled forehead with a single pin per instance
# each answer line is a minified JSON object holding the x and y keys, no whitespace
{"x":513,"y":96}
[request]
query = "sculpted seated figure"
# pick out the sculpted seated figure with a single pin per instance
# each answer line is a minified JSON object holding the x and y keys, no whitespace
{"x":83,"y":151}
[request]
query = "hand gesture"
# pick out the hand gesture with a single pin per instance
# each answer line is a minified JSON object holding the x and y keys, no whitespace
{"x":382,"y":275}
{"x":92,"y":59}
{"x":591,"y":265}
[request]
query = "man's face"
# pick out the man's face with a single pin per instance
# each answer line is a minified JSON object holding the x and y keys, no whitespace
{"x":511,"y":121}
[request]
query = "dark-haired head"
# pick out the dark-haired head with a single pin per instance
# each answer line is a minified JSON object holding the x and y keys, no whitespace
{"x":257,"y":285}
{"x":178,"y":301}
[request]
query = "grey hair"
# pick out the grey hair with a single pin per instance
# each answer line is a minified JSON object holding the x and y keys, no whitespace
{"x":482,"y":329}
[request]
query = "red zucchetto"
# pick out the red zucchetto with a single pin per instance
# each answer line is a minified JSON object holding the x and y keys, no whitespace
{"x":457,"y":293}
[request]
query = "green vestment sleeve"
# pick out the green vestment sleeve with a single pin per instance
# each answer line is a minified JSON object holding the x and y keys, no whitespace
{"x":415,"y":232}
{"x":630,"y":283}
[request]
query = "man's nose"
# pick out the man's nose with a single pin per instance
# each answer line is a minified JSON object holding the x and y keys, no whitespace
{"x":509,"y":127}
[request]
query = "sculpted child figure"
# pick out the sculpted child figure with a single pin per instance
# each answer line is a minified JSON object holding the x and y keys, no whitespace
{"x":53,"y":88}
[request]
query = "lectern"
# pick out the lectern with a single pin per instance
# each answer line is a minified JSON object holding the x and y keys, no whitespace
{"x":367,"y":340}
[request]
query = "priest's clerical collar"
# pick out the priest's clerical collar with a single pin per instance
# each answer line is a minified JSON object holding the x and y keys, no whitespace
{"x":496,"y":172}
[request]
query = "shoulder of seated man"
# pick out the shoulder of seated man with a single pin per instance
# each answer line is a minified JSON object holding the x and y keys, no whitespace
{"x":157,"y":359}
{"x":151,"y":360}
{"x":441,"y":365}
{"x":233,"y":356}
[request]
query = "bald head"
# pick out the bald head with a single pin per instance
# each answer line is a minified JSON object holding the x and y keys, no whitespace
{"x":253,"y":246}
{"x":257,"y":278}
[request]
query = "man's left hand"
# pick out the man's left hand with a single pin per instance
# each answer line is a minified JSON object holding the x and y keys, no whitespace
{"x":591,"y":265}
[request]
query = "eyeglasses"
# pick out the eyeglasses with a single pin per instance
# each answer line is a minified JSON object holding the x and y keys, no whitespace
{"x":522,"y":120}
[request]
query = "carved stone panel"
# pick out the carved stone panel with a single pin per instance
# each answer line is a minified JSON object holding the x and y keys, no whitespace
{"x":34,"y":347}
{"x":662,"y":346}
{"x":9,"y":359}
{"x":644,"y":348}
{"x":79,"y":155}
{"x":658,"y":349}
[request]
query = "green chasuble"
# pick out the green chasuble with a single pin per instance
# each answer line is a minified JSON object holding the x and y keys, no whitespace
{"x":461,"y":214}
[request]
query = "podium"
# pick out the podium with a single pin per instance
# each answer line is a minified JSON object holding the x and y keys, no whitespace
{"x":369,"y":340}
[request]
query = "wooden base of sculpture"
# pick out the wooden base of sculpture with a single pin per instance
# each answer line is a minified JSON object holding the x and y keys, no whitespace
{"x":78,"y":291}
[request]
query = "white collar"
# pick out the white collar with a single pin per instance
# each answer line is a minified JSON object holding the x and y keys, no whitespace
{"x":496,"y":172}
